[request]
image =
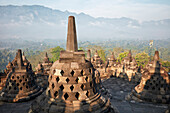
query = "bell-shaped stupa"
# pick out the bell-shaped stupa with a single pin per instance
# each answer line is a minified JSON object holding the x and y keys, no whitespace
{"x":154,"y":85}
{"x":72,"y":83}
{"x":20,"y":84}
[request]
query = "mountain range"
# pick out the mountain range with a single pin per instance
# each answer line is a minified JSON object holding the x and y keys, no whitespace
{"x":37,"y":22}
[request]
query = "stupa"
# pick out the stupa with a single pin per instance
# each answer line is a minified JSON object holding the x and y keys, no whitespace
{"x":41,"y":76}
{"x":96,"y":61}
{"x":107,"y":71}
{"x":89,"y":55}
{"x":2,"y":80}
{"x":72,"y":83}
{"x":111,"y":60}
{"x":154,"y":85}
{"x":20,"y":84}
{"x":46,"y":63}
{"x":42,"y":72}
{"x":130,"y":67}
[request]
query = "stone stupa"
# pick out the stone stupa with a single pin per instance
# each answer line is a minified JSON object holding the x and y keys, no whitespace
{"x":46,"y":64}
{"x":154,"y":85}
{"x":72,"y":83}
{"x":2,"y":80}
{"x":20,"y":84}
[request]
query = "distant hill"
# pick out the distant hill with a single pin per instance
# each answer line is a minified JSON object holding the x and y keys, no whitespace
{"x":39,"y":22}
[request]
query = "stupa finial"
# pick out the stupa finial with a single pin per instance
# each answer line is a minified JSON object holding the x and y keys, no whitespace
{"x":71,"y":35}
{"x":19,"y":59}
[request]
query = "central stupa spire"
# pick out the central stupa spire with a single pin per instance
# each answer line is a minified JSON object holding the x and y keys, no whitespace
{"x":71,"y":35}
{"x":19,"y":59}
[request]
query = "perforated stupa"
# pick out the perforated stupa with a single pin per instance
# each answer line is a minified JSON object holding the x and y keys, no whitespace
{"x":72,"y":82}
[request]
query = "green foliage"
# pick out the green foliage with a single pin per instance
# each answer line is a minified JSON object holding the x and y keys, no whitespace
{"x":5,"y":56}
{"x":117,"y":51}
{"x":56,"y":53}
{"x":101,"y":53}
{"x":142,"y":59}
{"x":164,"y":53}
{"x":122,"y":55}
{"x":166,"y":64}
{"x":81,"y":48}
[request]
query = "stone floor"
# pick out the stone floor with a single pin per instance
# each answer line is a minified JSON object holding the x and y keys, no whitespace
{"x":15,"y":107}
{"x":118,"y":90}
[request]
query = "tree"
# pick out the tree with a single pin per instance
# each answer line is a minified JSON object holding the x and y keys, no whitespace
{"x":56,"y":53}
{"x":101,"y":53}
{"x":142,"y":59}
{"x":122,"y":55}
{"x":166,"y":64}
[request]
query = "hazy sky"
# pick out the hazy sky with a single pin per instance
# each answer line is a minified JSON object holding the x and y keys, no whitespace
{"x":136,"y":9}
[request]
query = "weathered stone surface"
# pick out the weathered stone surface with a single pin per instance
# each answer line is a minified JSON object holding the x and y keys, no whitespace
{"x":154,"y":85}
{"x":20,"y":84}
{"x":73,"y":85}
{"x":113,"y":86}
{"x":120,"y":90}
{"x":71,"y":35}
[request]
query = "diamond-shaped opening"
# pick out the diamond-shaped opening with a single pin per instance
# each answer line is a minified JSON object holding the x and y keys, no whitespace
{"x":12,"y":77}
{"x":17,"y":84}
{"x":67,"y":80}
{"x":12,"y":84}
{"x":72,"y":87}
{"x":90,"y":70}
{"x":25,"y":79}
{"x":51,"y":77}
{"x":55,"y":94}
{"x":20,"y":88}
{"x":9,"y":87}
{"x":77,"y":95}
{"x":54,"y":71}
{"x":82,"y":86}
{"x":77,"y":80}
{"x":61,"y":87}
{"x":62,"y":72}
{"x":86,"y":79}
{"x":66,"y":96}
{"x":81,"y":72}
{"x":53,"y":85}
{"x":20,"y":80}
{"x":91,"y":84}
{"x":87,"y":94}
{"x":17,"y":77}
{"x":27,"y":87}
{"x":57,"y":79}
{"x":15,"y":88}
{"x":72,"y":73}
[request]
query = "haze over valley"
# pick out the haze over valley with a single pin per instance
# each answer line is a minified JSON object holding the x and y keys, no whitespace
{"x":38,"y":22}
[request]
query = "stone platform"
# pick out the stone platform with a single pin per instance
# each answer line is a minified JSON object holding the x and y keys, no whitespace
{"x":117,"y":88}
